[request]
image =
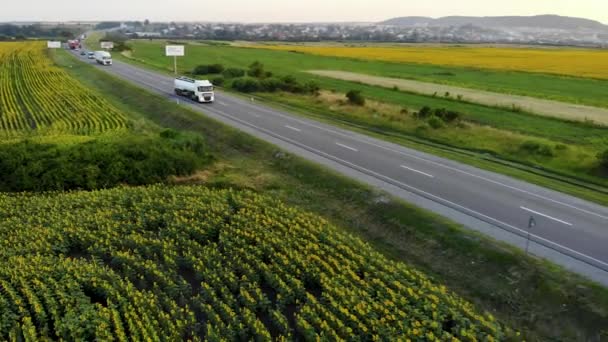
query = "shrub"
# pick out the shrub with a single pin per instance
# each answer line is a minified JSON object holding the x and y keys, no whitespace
{"x":233,"y":73}
{"x":424,"y":113}
{"x":271,"y":84}
{"x":435,"y":122}
{"x":246,"y":84}
{"x":256,"y":69}
{"x":312,"y":87}
{"x":603,"y":159}
{"x":98,"y":164}
{"x":218,"y":81}
{"x":355,"y":97}
{"x":208,"y":69}
{"x":537,"y":148}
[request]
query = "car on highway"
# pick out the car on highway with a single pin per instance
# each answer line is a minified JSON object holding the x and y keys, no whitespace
{"x":91,"y":55}
{"x":83,"y":53}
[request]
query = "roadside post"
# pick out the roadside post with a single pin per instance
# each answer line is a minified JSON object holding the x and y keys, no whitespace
{"x":531,"y":224}
{"x":175,"y":51}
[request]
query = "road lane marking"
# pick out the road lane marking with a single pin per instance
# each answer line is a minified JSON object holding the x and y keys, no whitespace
{"x":347,"y":147}
{"x":293,"y":128}
{"x":417,"y":171}
{"x":547,"y":216}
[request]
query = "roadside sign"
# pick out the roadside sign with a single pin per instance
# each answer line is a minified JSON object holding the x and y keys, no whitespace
{"x":175,"y":50}
{"x":107,"y":45}
{"x":53,"y":44}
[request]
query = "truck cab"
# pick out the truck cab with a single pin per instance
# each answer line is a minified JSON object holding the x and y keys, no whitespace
{"x":199,"y":90}
{"x":103,"y":57}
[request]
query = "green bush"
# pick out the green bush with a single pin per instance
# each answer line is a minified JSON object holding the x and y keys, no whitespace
{"x":208,"y":69}
{"x":256,"y":69}
{"x":233,"y":73}
{"x":272,"y":84}
{"x":101,"y":163}
{"x":603,"y":158}
{"x":445,"y":115}
{"x":534,"y":147}
{"x":246,"y":85}
{"x":435,"y":122}
{"x":424,"y":112}
{"x":355,"y":97}
{"x":218,"y":81}
{"x":312,"y":87}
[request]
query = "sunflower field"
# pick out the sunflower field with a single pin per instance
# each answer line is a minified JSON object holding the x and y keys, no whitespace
{"x":571,"y":62}
{"x":189,"y":263}
{"x":38,"y":97}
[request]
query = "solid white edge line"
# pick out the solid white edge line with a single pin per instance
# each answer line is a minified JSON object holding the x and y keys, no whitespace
{"x":417,"y":171}
{"x":293,"y":128}
{"x":547,"y":216}
{"x":403,"y":184}
{"x":347,"y":147}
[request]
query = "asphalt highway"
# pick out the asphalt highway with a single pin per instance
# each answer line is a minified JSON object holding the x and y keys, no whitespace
{"x":564,"y":224}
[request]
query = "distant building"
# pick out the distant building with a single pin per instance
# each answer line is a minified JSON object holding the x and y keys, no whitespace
{"x":148,"y":34}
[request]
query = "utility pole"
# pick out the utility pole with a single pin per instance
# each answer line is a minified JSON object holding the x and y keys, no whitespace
{"x":175,"y":64}
{"x":531,"y":224}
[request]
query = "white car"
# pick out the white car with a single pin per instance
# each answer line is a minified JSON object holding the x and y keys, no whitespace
{"x":91,"y":55}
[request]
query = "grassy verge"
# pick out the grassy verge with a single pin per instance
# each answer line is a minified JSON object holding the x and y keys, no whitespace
{"x":532,"y":295}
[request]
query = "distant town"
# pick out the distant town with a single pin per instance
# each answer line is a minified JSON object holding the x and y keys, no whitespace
{"x":540,"y":30}
{"x":576,"y":34}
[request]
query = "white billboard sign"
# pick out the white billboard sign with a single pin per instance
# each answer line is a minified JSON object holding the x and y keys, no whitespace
{"x":107,"y":45}
{"x":53,"y":45}
{"x":175,"y":50}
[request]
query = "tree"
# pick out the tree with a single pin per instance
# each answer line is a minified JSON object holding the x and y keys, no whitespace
{"x":256,"y":69}
{"x":146,"y":22}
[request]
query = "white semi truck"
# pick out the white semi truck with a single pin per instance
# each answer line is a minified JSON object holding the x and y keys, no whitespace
{"x":103,"y":57}
{"x":197,"y":90}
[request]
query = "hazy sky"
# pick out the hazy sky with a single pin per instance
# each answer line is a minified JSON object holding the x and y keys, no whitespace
{"x":288,"y":10}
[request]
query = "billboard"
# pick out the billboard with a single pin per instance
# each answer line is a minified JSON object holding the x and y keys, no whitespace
{"x":175,"y":50}
{"x":53,"y":45}
{"x":107,"y":45}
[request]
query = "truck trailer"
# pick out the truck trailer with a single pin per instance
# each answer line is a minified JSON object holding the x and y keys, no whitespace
{"x":74,"y":44}
{"x":198,"y":90}
{"x":103,"y":57}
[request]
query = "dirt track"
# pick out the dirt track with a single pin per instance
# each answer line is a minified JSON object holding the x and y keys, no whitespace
{"x":543,"y":107}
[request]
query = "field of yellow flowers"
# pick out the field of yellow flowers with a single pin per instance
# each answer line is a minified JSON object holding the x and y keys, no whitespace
{"x":571,"y":62}
{"x":38,"y":97}
{"x":189,"y":263}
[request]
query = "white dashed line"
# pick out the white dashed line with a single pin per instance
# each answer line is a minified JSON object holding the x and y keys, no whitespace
{"x":420,"y":172}
{"x":293,"y":128}
{"x":347,"y":147}
{"x":547,"y":216}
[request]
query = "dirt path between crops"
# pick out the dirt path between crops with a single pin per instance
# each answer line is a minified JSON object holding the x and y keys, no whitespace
{"x":543,"y":107}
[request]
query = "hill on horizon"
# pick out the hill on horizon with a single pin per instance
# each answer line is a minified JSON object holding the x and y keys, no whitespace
{"x":537,"y":21}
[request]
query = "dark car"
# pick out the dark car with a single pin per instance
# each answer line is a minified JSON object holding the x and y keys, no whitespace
{"x":83,"y":53}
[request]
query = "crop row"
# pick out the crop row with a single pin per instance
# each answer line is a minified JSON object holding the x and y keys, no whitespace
{"x":36,"y":95}
{"x":188,"y":263}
